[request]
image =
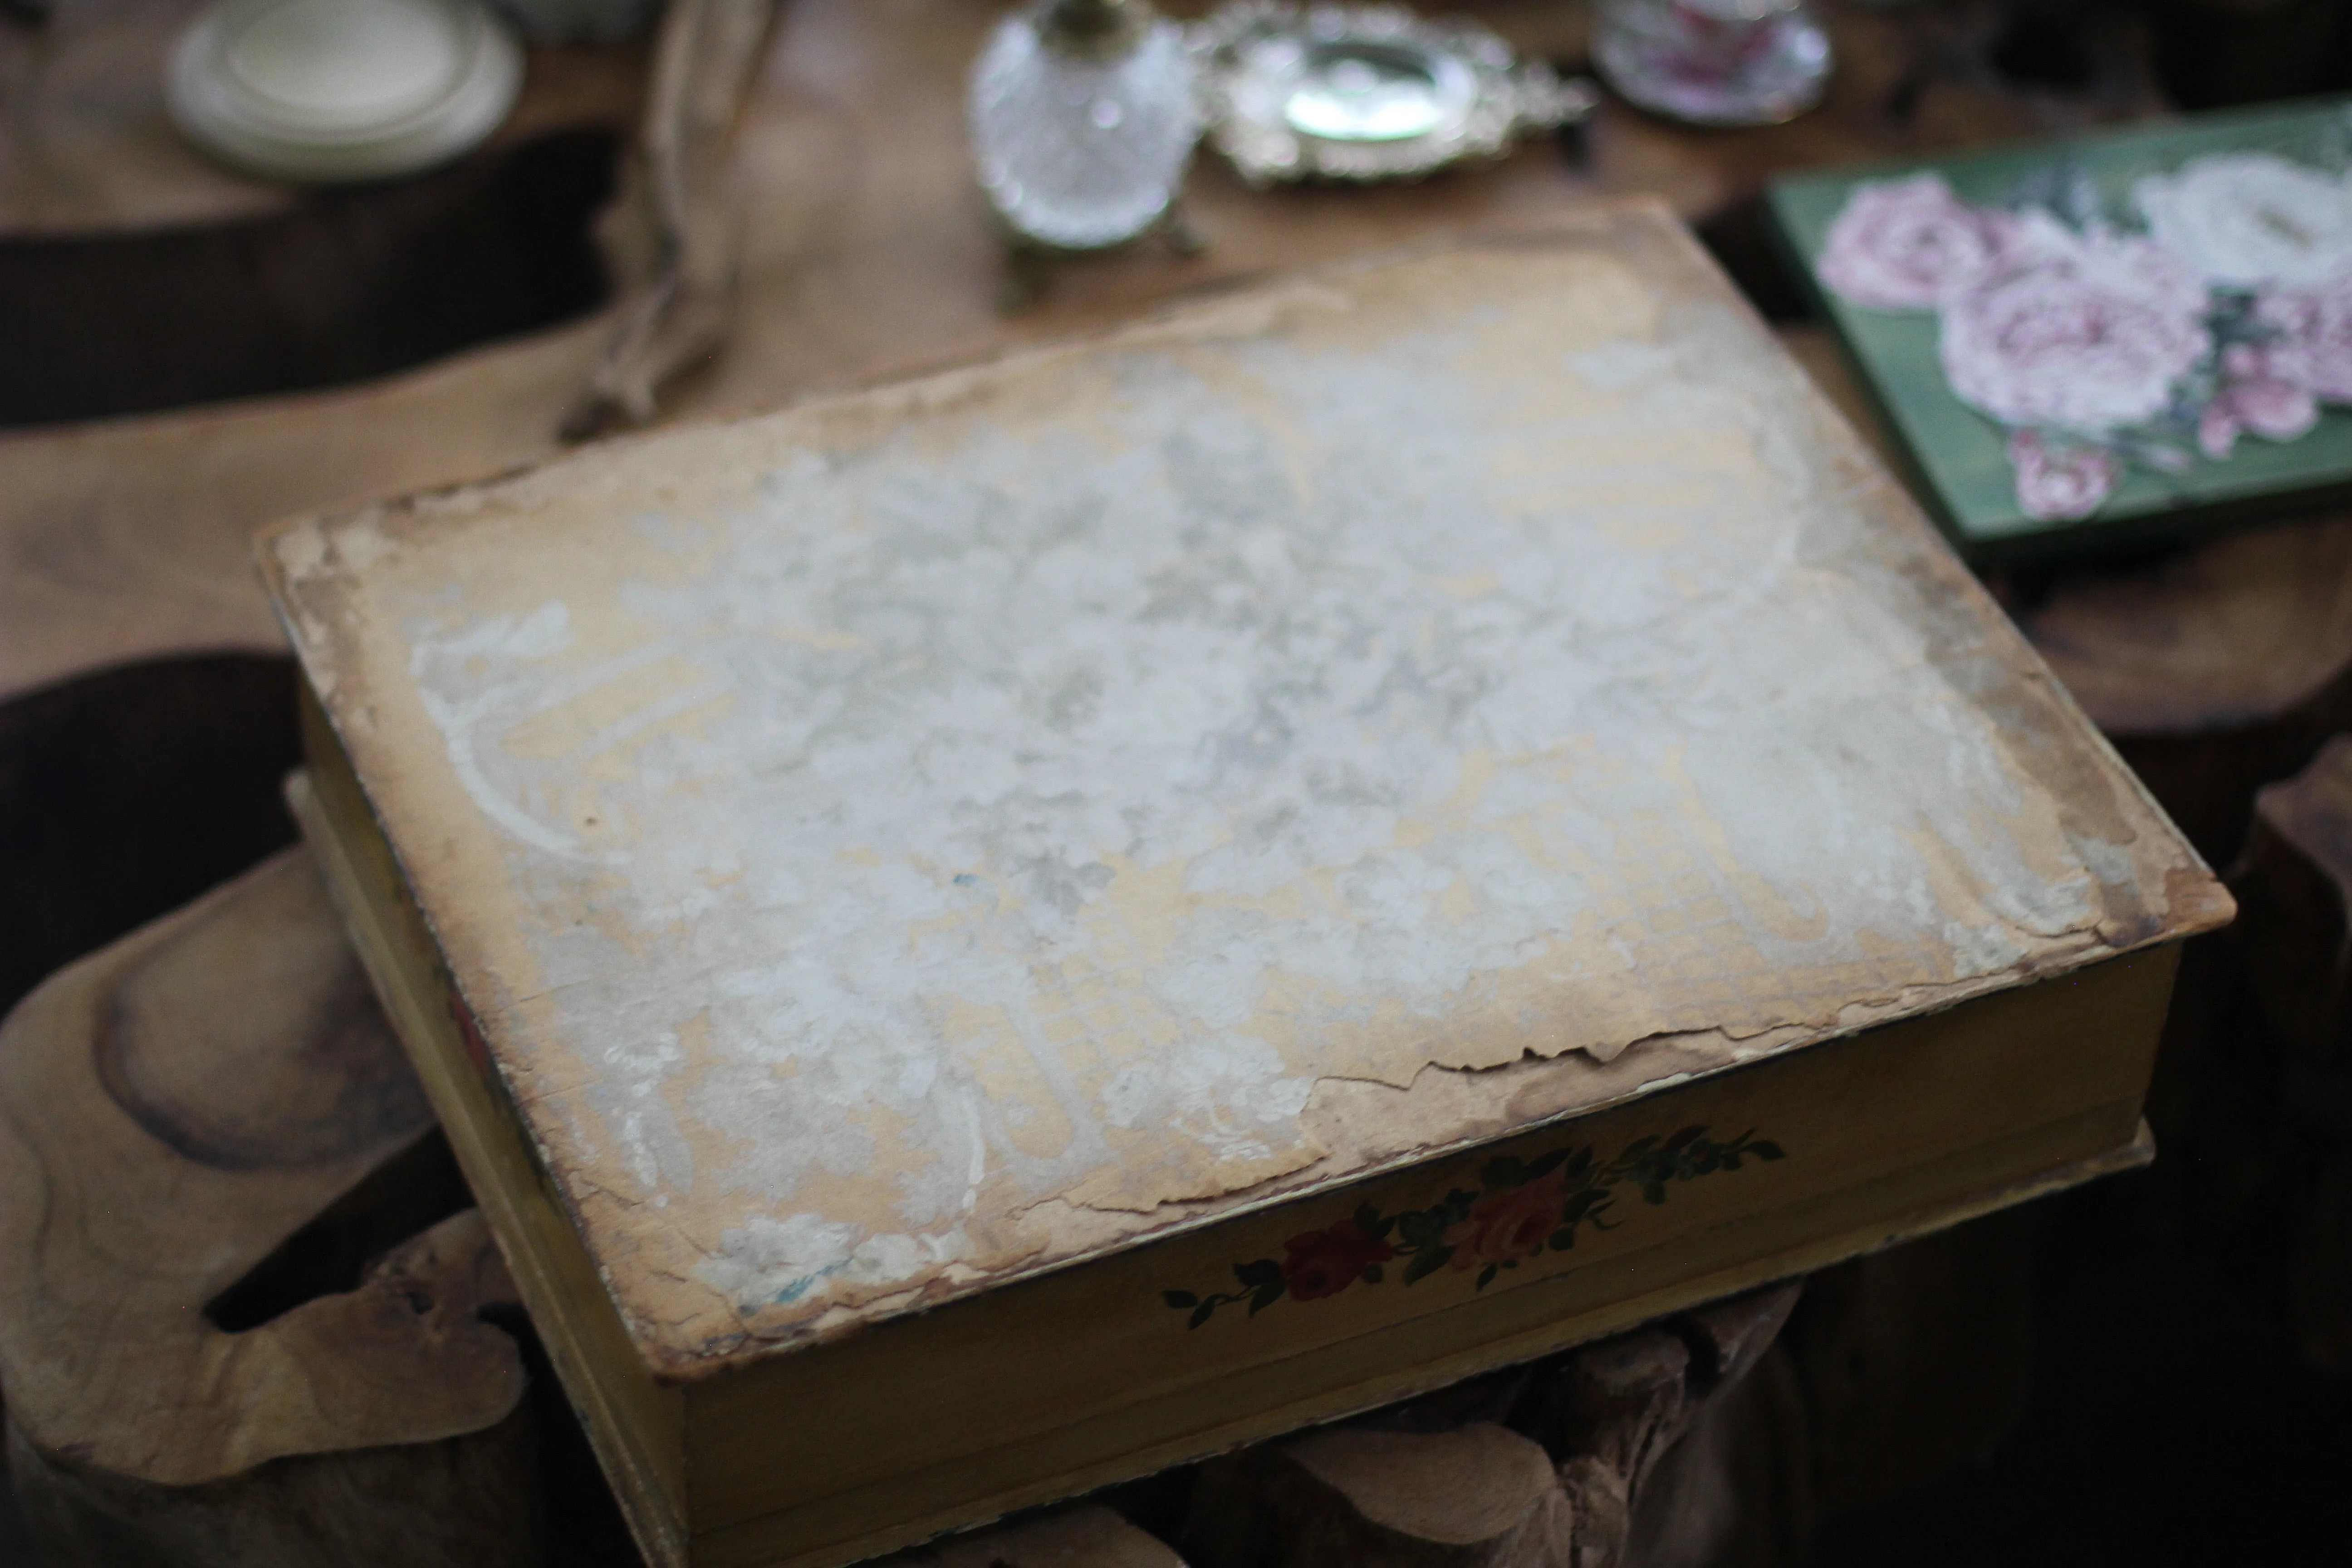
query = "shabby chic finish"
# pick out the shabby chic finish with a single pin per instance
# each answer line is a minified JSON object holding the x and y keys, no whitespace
{"x":907,"y":843}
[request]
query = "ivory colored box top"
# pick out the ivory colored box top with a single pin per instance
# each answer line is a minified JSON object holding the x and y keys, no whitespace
{"x":927,"y":837}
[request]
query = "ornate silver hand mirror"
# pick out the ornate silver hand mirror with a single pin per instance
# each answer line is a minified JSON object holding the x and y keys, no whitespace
{"x":1367,"y":92}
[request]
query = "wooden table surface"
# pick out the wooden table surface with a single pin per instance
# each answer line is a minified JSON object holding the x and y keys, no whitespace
{"x":866,"y":254}
{"x":86,"y":146}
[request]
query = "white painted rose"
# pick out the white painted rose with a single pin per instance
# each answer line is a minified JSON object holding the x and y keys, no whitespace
{"x":2245,"y":219}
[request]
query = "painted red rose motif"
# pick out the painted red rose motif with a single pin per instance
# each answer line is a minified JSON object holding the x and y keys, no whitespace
{"x":1321,"y":1263}
{"x":1505,"y":1226}
{"x":1518,"y":1208}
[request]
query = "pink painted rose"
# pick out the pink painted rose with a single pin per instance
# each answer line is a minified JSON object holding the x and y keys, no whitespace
{"x":2090,"y":338}
{"x":2264,"y":390}
{"x":2314,"y":345}
{"x":2060,"y":483}
{"x":2125,"y":263}
{"x":1507,"y":1225}
{"x":1910,"y":245}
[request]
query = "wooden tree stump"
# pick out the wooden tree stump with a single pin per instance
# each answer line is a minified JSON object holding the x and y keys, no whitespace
{"x":865,"y":254}
{"x":128,"y":793}
{"x":1477,"y":1497}
{"x":1735,"y":1490}
{"x":1085,"y":1536}
{"x":2215,"y":672}
{"x":1916,"y":1360}
{"x":1659,"y":1433}
{"x":1728,"y":1338}
{"x":2319,"y":1281}
{"x":2294,"y":887}
{"x":1613,"y":1410}
{"x":1681,"y":1445}
{"x":174,"y":1111}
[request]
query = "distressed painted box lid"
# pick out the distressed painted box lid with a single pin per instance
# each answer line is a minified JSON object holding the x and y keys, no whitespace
{"x":930,"y":835}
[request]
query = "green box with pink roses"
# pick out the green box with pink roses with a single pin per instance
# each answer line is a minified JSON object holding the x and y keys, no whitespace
{"x":2109,"y":341}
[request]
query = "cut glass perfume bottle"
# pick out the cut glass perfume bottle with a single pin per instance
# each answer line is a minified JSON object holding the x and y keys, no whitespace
{"x":1083,"y":115}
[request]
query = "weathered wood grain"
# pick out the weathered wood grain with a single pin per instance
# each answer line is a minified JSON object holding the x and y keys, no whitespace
{"x":135,"y":274}
{"x":90,"y":149}
{"x":1619,"y":1405}
{"x":128,"y":540}
{"x":346,"y":286}
{"x":2319,"y":1279}
{"x":1477,"y":1497}
{"x":1681,"y":1445}
{"x":1737,"y":1489}
{"x":1720,"y":1477}
{"x":443,"y":1501}
{"x":1728,"y":1338}
{"x":2294,"y":937}
{"x":1086,"y":1535}
{"x":2293,"y":886}
{"x":866,"y":252}
{"x":126,"y":793}
{"x":2214,"y":671}
{"x":1916,"y":1360}
{"x":176,"y":1112}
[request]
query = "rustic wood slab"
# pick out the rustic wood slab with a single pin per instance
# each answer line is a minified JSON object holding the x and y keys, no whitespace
{"x":2214,"y":671}
{"x":176,"y":1114}
{"x":1085,"y":1535}
{"x":1477,"y":1497}
{"x":136,"y":275}
{"x":1738,"y":1490}
{"x":866,"y":254}
{"x":126,"y":793}
{"x":2319,"y":1281}
{"x":1617,"y":1407}
{"x":2293,"y":886}
{"x":1917,"y":1360}
{"x":1685,"y":1445}
{"x":1670,"y":1446}
{"x":675,"y":225}
{"x":89,"y":149}
{"x":2294,"y":935}
{"x":127,"y":540}
{"x":192,"y":1097}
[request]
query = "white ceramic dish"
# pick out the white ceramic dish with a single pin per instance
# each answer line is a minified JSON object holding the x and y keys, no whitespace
{"x":332,"y":90}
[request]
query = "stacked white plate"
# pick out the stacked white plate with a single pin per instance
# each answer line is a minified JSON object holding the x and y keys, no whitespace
{"x":342,"y":89}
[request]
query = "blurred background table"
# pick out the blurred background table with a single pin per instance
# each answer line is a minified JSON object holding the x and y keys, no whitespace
{"x":135,"y":279}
